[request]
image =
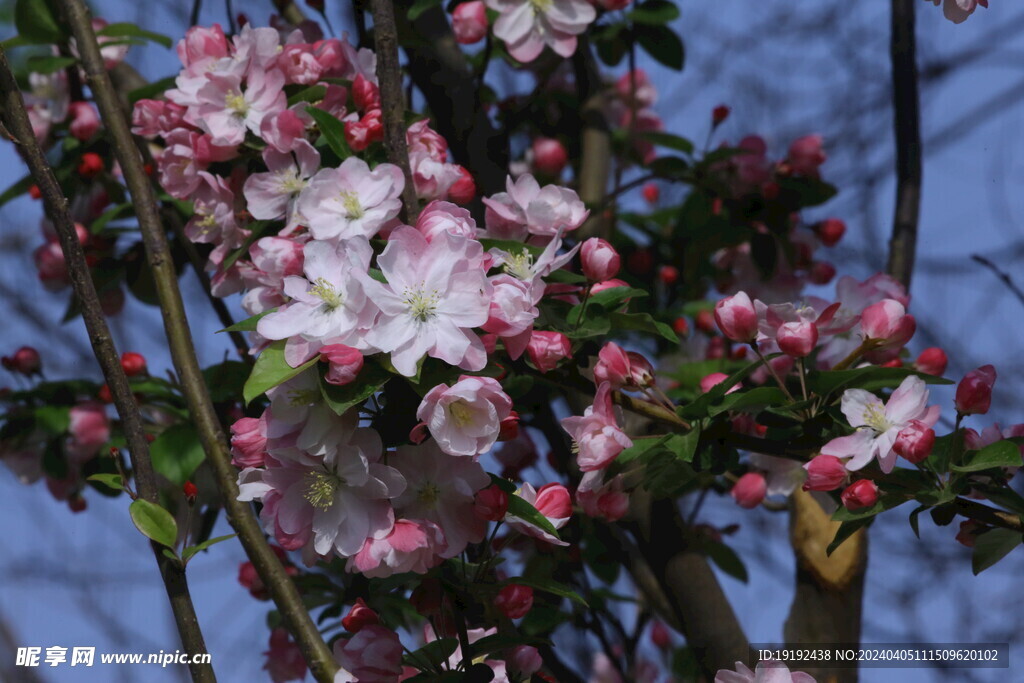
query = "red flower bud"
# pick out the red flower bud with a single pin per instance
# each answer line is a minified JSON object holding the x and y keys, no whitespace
{"x":549,"y":156}
{"x":514,"y":600}
{"x":932,"y":361}
{"x":681,"y":326}
{"x":915,"y":441}
{"x":90,"y":166}
{"x":719,"y":114}
{"x":974,"y":393}
{"x":25,"y":361}
{"x":660,"y":635}
{"x":668,"y":274}
{"x":359,"y":616}
{"x":705,"y":321}
{"x":859,"y":495}
{"x":824,"y":473}
{"x":190,"y":491}
{"x":133,"y":364}
{"x":830,"y":231}
{"x":491,"y":503}
{"x":651,"y":193}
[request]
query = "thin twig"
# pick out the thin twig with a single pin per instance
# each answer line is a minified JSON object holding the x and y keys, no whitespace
{"x":283,"y":591}
{"x":1002,"y":275}
{"x":173,"y":573}
{"x":389,"y":80}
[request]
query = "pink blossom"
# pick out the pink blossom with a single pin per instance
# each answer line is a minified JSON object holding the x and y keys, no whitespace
{"x":887,"y":322}
{"x":915,"y":441}
{"x":89,"y":429}
{"x":859,"y":495}
{"x":412,"y":545}
{"x":974,"y":393}
{"x":546,"y":349}
{"x":214,"y":220}
{"x":797,"y":339}
{"x":226,"y":110}
{"x":351,"y":200}
{"x":957,"y":11}
{"x":273,"y":194}
{"x":374,"y":655}
{"x":156,"y":117}
{"x":465,"y":419}
{"x":248,"y":442}
{"x":359,"y":617}
{"x":825,"y":473}
{"x":420,"y":137}
{"x":737,"y":318}
{"x":806,"y":155}
{"x":462,"y":190}
{"x":622,"y":368}
{"x":526,"y":27}
{"x":513,"y":309}
{"x":345,"y":363}
{"x":84,"y":120}
{"x":286,"y":130}
{"x":549,"y":156}
{"x":713,"y":380}
{"x":431,"y":177}
{"x":439,"y":216}
{"x":596,"y":434}
{"x":552,"y":501}
{"x":328,"y":302}
{"x":491,"y":503}
{"x":601,"y":499}
{"x":201,"y":45}
{"x":599,"y":260}
{"x":768,"y":671}
{"x":878,"y":424}
{"x":749,"y":490}
{"x":51,"y":266}
{"x":527,"y":208}
{"x":436,"y":292}
{"x":185,"y":156}
{"x":284,"y":658}
{"x":272,"y":259}
{"x":441,"y":489}
{"x":469,"y":22}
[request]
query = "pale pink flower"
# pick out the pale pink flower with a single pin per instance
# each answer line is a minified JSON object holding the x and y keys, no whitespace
{"x":441,"y":488}
{"x":599,"y":260}
{"x":602,"y":499}
{"x":806,"y":154}
{"x":412,"y":545}
{"x":465,"y":418}
{"x":351,"y":200}
{"x":552,"y":501}
{"x":89,"y":428}
{"x":439,"y":216}
{"x":345,"y":363}
{"x":878,"y":424}
{"x":374,"y":655}
{"x":737,"y":318}
{"x":432,"y":178}
{"x":547,"y":348}
{"x":226,"y":110}
{"x":213,"y":220}
{"x":957,"y":11}
{"x":436,"y":292}
{"x":769,"y":671}
{"x":84,"y":120}
{"x":513,"y":309}
{"x":329,"y":301}
{"x":527,"y":208}
{"x":527,"y":26}
{"x":622,"y":368}
{"x":156,"y":117}
{"x":273,"y":194}
{"x":248,"y":442}
{"x":271,"y":260}
{"x":185,"y":156}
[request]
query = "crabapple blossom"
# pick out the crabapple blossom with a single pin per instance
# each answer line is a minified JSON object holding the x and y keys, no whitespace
{"x":547,"y":348}
{"x":25,"y":360}
{"x":359,"y":616}
{"x":622,"y":368}
{"x":514,"y":600}
{"x":248,"y":442}
{"x":89,"y":428}
{"x":878,"y":424}
{"x":345,"y":363}
{"x":859,"y":495}
{"x":549,"y":156}
{"x":974,"y":392}
{"x":271,"y":260}
{"x":285,"y":661}
{"x":749,"y":490}
{"x":932,"y":361}
{"x":351,"y":200}
{"x":465,"y":418}
{"x":806,"y":155}
{"x":225,"y":109}
{"x":797,"y":339}
{"x":527,"y":26}
{"x":737,"y":318}
{"x":436,"y":292}
{"x":602,"y":500}
{"x":957,"y":11}
{"x":527,"y":208}
{"x":462,"y":190}
{"x":411,"y":545}
{"x":273,"y":194}
{"x":596,"y":436}
{"x":491,"y":503}
{"x":915,"y":441}
{"x":513,"y":309}
{"x":713,"y":380}
{"x":599,"y":259}
{"x":84,"y":120}
{"x":374,"y":655}
{"x":440,"y":216}
{"x":888,"y":323}
{"x":469,"y":22}
{"x":767,"y":671}
{"x":328,"y":302}
{"x":552,"y":501}
{"x":825,"y":473}
{"x":441,"y":489}
{"x":830,"y":231}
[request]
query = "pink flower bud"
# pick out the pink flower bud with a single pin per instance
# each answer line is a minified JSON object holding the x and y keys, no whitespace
{"x":514,"y":600}
{"x":248,"y":442}
{"x":612,"y":366}
{"x":553,"y":501}
{"x":419,"y":433}
{"x":469,"y":22}
{"x":660,"y":635}
{"x":547,"y":348}
{"x":365,"y":94}
{"x":750,"y":490}
{"x":84,"y":120}
{"x":932,"y":361}
{"x":359,"y":616}
{"x":889,"y":322}
{"x":524,"y":661}
{"x":609,"y":284}
{"x":549,"y":157}
{"x":345,"y":363}
{"x":600,"y":260}
{"x":25,"y":361}
{"x":490,"y":503}
{"x":830,"y":231}
{"x":713,"y":380}
{"x":462,"y":190}
{"x":361,"y":134}
{"x":737,"y":318}
{"x":824,"y":473}
{"x":974,"y":393}
{"x":806,"y":154}
{"x":821,"y":273}
{"x":133,"y":364}
{"x":859,"y":495}
{"x":797,"y":339}
{"x":915,"y":441}
{"x":508,"y":429}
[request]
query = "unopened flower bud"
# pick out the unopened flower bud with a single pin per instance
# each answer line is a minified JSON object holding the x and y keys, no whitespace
{"x":514,"y":600}
{"x":749,"y":490}
{"x":599,"y":259}
{"x":974,"y":393}
{"x":859,"y":495}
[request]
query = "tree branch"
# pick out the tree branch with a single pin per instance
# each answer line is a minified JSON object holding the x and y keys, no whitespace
{"x":283,"y":591}
{"x":392,"y":103}
{"x":171,"y":571}
{"x":595,"y":145}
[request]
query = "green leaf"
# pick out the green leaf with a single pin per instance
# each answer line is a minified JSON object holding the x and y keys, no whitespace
{"x":53,"y":420}
{"x":684,"y":446}
{"x":664,"y":45}
{"x":751,"y":401}
{"x":177,"y":452}
{"x":36,"y":23}
{"x":333,"y":131}
{"x":432,"y":654}
{"x":550,"y":586}
{"x":654,"y":13}
{"x":112,"y":481}
{"x":421,"y":6}
{"x":671,"y":167}
{"x":870,"y":378}
{"x":517,"y":507}
{"x":225,"y":380}
{"x":915,"y":513}
{"x":17,"y":189}
{"x":503,"y":484}
{"x":726,"y":559}
{"x":188,"y":552}
{"x":992,"y":546}
{"x":847,"y":529}
{"x":111,"y":214}
{"x":126,"y":29}
{"x":642,"y":322}
{"x":47,"y":64}
{"x":247,"y":325}
{"x":701,"y":406}
{"x":642,"y":446}
{"x":313,"y":93}
{"x":676,"y":142}
{"x":270,"y":370}
{"x":369,"y":381}
{"x":154,"y":522}
{"x":999,"y":454}
{"x":151,"y":89}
